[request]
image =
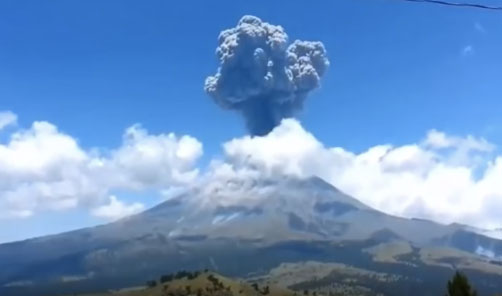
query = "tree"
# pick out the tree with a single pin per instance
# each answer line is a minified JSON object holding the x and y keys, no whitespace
{"x":459,"y":286}
{"x":166,"y":278}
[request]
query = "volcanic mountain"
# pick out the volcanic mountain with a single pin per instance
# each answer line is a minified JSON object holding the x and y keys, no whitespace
{"x":250,"y":228}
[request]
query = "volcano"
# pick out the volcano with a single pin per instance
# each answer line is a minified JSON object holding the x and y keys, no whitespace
{"x":247,"y":228}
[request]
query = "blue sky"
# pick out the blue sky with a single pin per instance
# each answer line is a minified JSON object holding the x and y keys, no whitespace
{"x":94,"y":68}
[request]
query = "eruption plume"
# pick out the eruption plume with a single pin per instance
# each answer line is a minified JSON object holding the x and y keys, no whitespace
{"x":262,"y":76}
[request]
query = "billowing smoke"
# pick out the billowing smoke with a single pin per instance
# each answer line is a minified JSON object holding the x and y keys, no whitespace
{"x":263,"y":76}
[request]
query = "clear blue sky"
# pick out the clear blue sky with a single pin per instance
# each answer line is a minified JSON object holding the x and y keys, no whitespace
{"x":397,"y":69}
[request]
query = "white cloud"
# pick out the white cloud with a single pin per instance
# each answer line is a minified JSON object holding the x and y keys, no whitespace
{"x":157,"y":161}
{"x":116,"y":209}
{"x":461,"y":150}
{"x":441,"y":177}
{"x":7,"y":118}
{"x":42,"y":168}
{"x":445,"y":178}
{"x":468,"y":50}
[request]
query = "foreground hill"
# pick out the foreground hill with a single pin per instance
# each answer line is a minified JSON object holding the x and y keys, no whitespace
{"x":248,"y":227}
{"x":202,"y":284}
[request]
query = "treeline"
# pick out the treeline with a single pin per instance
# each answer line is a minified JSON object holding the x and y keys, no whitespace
{"x":175,"y":276}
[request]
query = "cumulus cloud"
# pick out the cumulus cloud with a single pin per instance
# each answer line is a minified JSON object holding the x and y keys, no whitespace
{"x":441,"y":177}
{"x":117,"y":209}
{"x":262,"y":75}
{"x":7,"y":118}
{"x":42,"y":168}
{"x":145,"y":161}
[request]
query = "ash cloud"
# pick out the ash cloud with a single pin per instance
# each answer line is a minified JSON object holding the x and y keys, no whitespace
{"x":262,"y":75}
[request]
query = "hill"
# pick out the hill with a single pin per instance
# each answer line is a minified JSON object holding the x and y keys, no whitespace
{"x":201,"y":284}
